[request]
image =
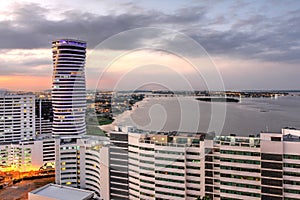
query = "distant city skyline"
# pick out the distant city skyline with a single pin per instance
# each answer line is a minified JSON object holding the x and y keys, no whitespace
{"x":254,"y":44}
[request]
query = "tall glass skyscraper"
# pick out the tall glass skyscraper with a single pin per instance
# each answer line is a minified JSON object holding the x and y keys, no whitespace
{"x":68,"y":89}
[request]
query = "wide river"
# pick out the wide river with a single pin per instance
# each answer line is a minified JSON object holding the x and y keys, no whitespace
{"x":250,"y":116}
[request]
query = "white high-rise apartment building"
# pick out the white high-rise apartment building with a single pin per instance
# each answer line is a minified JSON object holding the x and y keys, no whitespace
{"x":188,"y":166}
{"x":265,"y":167}
{"x":147,"y":165}
{"x":17,"y":118}
{"x":165,"y":166}
{"x":232,"y":168}
{"x":77,"y":156}
{"x":68,"y":89}
{"x":19,"y":148}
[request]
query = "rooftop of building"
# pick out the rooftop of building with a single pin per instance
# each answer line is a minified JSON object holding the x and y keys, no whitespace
{"x":8,"y":94}
{"x":63,"y":192}
{"x":288,"y":134}
{"x":291,"y":138}
{"x":66,"y":41}
{"x":131,"y":129}
{"x":173,"y":134}
{"x":175,"y":138}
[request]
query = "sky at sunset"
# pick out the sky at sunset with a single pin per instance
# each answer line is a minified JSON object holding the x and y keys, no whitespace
{"x":252,"y":44}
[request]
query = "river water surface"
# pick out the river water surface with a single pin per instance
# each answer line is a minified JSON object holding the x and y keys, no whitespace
{"x":250,"y":116}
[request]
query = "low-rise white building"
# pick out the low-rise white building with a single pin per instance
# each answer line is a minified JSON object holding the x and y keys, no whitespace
{"x":27,"y":155}
{"x":58,"y":192}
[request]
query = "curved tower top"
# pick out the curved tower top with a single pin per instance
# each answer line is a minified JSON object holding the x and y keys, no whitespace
{"x":68,"y":87}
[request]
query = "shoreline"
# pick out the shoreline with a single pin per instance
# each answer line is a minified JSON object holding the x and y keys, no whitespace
{"x":120,"y":118}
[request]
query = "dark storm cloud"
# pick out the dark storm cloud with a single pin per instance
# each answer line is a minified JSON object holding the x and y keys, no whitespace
{"x":258,"y":37}
{"x":31,"y":29}
{"x":253,"y":37}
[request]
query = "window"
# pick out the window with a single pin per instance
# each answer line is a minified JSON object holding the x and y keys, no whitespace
{"x":245,"y":153}
{"x":271,"y":165}
{"x":292,"y":182}
{"x":256,"y":162}
{"x":275,"y":157}
{"x":168,"y":180}
{"x":241,"y":169}
{"x":170,"y":152}
{"x":208,"y":173}
{"x":272,"y":182}
{"x":291,"y":165}
{"x":267,"y":197}
{"x":276,"y":139}
{"x":191,"y":181}
{"x":292,"y":191}
{"x":240,"y":193}
{"x":169,"y":187}
{"x":208,"y":158}
{"x":270,"y":190}
{"x":208,"y":181}
{"x":292,"y":174}
{"x":208,"y":166}
{"x":294,"y":157}
{"x":240,"y":185}
{"x":170,"y":159}
{"x":271,"y":174}
{"x":169,"y":173}
{"x":192,"y":167}
{"x":193,"y":160}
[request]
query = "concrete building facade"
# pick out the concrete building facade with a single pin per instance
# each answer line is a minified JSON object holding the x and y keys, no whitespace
{"x":189,"y":166}
{"x":68,"y":88}
{"x":17,"y":118}
{"x":118,"y":163}
{"x":265,"y":167}
{"x":165,"y":165}
{"x":79,"y":164}
{"x":26,"y":155}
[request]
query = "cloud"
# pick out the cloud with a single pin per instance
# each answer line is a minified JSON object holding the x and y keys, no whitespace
{"x":239,"y":32}
{"x":32,"y":29}
{"x":255,"y":36}
{"x":25,"y":62}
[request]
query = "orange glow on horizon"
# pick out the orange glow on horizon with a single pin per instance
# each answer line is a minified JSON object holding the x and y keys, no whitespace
{"x":25,"y":83}
{"x":20,"y":169}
